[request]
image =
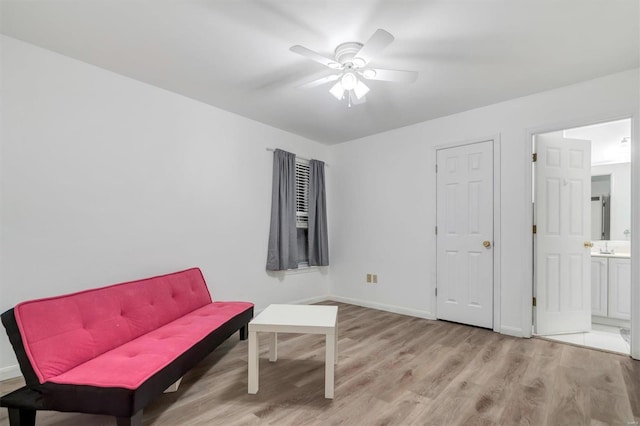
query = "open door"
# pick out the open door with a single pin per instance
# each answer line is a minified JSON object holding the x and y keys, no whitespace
{"x":562,"y":252}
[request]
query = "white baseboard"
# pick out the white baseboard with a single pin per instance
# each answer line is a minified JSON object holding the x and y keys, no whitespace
{"x":511,"y":331}
{"x":384,"y":307}
{"x":10,"y":372}
{"x":613,"y":322}
{"x":310,"y":300}
{"x":307,"y":301}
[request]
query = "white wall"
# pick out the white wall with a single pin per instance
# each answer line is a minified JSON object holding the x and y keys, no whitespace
{"x":106,"y":179}
{"x":383,"y":197}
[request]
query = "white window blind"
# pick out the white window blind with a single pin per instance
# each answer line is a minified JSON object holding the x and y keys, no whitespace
{"x":302,"y":193}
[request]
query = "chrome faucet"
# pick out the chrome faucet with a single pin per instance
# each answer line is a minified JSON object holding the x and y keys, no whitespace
{"x":606,"y":249}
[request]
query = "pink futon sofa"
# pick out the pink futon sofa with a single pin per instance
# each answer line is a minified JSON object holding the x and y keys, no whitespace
{"x":112,"y":350}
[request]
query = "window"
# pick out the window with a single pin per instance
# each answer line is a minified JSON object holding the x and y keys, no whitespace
{"x":302,"y":211}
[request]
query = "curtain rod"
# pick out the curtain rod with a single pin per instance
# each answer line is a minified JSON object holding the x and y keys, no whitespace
{"x":302,"y":158}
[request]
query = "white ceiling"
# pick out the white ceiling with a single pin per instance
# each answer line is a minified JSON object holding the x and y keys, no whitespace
{"x":607,"y":146}
{"x":234,"y":54}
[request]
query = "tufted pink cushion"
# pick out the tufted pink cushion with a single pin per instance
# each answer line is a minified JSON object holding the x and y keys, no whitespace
{"x":63,"y":332}
{"x":129,"y":365}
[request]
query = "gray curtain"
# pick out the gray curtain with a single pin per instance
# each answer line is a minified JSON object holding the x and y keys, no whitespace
{"x":282,"y":252}
{"x":318,"y":239}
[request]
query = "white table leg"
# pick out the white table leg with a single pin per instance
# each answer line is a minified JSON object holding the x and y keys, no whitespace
{"x":336,"y":345}
{"x":253,"y":362}
{"x":329,"y":365}
{"x":273,"y":347}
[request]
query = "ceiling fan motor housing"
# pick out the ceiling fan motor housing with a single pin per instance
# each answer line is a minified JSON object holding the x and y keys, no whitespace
{"x":346,"y":52}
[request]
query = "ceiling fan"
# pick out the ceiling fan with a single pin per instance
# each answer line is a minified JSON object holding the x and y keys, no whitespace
{"x":352,"y":63}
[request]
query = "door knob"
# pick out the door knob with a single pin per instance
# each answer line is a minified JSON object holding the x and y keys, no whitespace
{"x":487,"y":244}
{"x":588,"y":244}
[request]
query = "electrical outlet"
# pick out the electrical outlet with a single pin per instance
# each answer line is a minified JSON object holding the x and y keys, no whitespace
{"x":369,"y":278}
{"x":375,"y":278}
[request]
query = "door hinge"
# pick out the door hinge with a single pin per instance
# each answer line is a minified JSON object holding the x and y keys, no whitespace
{"x":535,"y":229}
{"x":436,"y":168}
{"x":534,"y":301}
{"x":436,"y":291}
{"x":436,"y":230}
{"x":534,"y":157}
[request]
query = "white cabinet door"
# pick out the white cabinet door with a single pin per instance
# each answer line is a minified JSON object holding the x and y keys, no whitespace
{"x":599,"y":279}
{"x":620,"y":288}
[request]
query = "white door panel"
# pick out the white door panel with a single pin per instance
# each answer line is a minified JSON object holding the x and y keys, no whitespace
{"x":465,"y":221}
{"x":562,"y":262}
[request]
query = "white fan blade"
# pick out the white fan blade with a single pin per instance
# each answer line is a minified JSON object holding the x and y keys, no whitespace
{"x":378,"y":41}
{"x":392,"y":75}
{"x":300,"y":50}
{"x":319,"y":82}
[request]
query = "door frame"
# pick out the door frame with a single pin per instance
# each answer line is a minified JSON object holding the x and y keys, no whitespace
{"x":528,"y":281}
{"x":497,"y":246}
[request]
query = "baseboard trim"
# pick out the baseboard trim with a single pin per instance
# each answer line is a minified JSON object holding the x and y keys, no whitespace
{"x":511,"y":331}
{"x":613,"y":322}
{"x":307,"y":301}
{"x":10,"y":372}
{"x":310,"y":300}
{"x":384,"y":307}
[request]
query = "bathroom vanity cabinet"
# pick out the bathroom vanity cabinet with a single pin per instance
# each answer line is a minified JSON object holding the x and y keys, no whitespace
{"x":611,"y":287}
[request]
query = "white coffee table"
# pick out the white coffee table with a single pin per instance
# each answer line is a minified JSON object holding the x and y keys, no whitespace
{"x":312,"y":319}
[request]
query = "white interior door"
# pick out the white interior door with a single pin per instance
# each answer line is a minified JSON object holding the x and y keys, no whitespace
{"x":465,"y":234}
{"x":563,"y":220}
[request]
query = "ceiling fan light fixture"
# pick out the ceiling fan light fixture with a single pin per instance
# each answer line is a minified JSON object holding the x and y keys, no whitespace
{"x":369,"y":73}
{"x":349,"y":81}
{"x":337,"y":91}
{"x":351,"y":64}
{"x":360,"y":90}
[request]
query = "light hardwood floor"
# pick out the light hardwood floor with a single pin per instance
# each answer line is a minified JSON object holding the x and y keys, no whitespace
{"x":398,"y":370}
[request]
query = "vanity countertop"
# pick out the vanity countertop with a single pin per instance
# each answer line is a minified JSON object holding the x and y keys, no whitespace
{"x":616,"y":255}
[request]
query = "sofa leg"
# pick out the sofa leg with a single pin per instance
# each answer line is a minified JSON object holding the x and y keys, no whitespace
{"x":243,"y":332}
{"x":22,"y":417}
{"x":174,"y":387}
{"x":135,"y":420}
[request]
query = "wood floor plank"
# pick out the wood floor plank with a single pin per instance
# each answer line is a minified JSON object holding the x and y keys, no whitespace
{"x":610,"y":408}
{"x":570,"y":403}
{"x":631,"y":374}
{"x":396,"y":370}
{"x":530,"y":400}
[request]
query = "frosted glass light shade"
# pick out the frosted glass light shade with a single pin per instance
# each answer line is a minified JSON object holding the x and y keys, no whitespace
{"x":337,"y":90}
{"x":349,"y":81}
{"x":360,"y":90}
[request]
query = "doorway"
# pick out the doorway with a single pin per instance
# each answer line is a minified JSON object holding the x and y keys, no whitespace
{"x":582,"y":251}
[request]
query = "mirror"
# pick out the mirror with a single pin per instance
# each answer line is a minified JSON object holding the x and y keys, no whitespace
{"x":601,"y":207}
{"x":611,"y":214}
